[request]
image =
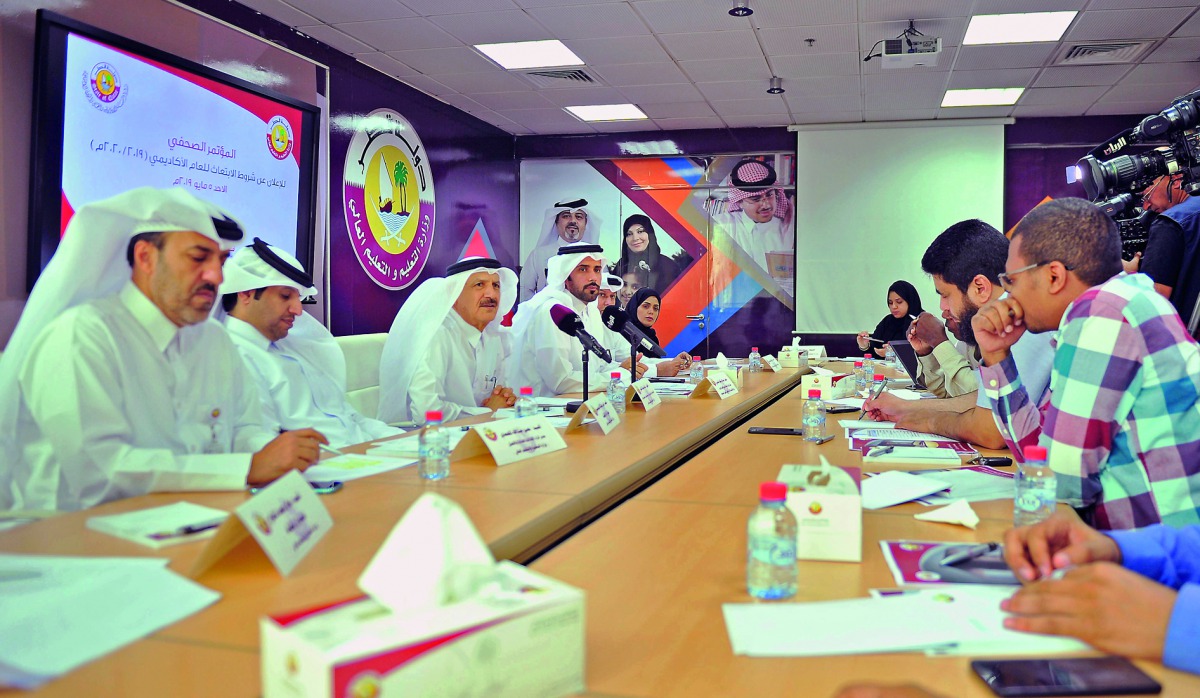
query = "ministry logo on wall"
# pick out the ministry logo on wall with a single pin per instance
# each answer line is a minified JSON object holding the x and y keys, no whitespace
{"x":387,"y":195}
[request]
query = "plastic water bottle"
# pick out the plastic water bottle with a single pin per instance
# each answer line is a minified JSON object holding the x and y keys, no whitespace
{"x":616,"y":392}
{"x":755,"y":360}
{"x":433,"y":447}
{"x":890,"y":356}
{"x":813,"y":417}
{"x":697,"y":372}
{"x":868,"y":366}
{"x":771,"y":545}
{"x":860,"y":378}
{"x":526,"y":407}
{"x":1036,"y":488}
{"x":877,"y":384}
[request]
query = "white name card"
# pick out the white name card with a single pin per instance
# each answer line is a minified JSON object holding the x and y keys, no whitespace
{"x":599,"y":406}
{"x":772,"y":363}
{"x":510,"y":440}
{"x":827,"y":503}
{"x":285,"y":518}
{"x":645,"y":393}
{"x":717,"y":381}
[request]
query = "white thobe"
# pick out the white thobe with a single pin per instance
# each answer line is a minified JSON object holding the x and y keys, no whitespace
{"x":459,"y":371}
{"x":533,"y":272}
{"x":117,"y":401}
{"x":757,"y":239}
{"x":550,"y":360}
{"x":298,"y":395}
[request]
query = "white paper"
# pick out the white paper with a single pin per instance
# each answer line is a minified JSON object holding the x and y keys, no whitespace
{"x":896,"y":487}
{"x":139,"y":526}
{"x":408,"y":447}
{"x":352,"y":466}
{"x":913,"y":454}
{"x":899,"y":435}
{"x":904,"y":394}
{"x":81,"y":608}
{"x":970,"y":485}
{"x":722,"y":362}
{"x":822,"y":371}
{"x":849,"y":424}
{"x":855,"y":402}
{"x":958,"y":512}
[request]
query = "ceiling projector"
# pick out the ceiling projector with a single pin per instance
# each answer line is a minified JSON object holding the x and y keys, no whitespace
{"x":911,"y":51}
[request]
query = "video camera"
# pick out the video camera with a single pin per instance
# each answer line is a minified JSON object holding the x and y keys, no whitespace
{"x":1113,"y":181}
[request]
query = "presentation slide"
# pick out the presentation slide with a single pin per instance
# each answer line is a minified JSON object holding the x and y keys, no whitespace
{"x":131,"y":122}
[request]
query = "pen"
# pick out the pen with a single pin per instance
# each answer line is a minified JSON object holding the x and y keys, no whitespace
{"x":187,"y":530}
{"x":330,"y":449}
{"x":877,"y":341}
{"x":882,"y":386}
{"x":969,"y":554}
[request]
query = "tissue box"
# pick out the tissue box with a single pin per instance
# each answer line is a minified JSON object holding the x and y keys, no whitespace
{"x":827,"y":505}
{"x":523,"y":639}
{"x":789,"y":357}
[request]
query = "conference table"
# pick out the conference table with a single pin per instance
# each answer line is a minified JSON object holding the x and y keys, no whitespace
{"x":648,"y":520}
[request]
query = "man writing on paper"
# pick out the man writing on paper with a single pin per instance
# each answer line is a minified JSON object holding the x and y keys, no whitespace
{"x":543,"y":356}
{"x":1122,"y":419}
{"x":446,"y":349}
{"x":965,"y":262}
{"x":297,"y":366}
{"x":566,"y":223}
{"x":113,"y":384}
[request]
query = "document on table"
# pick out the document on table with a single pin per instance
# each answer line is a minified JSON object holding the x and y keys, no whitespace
{"x":897,"y":487}
{"x":975,"y":484}
{"x":409,"y":447}
{"x":352,"y":466}
{"x":898,"y":435}
{"x":58,"y":613}
{"x":952,"y":619}
{"x":855,"y":402}
{"x":849,"y":424}
{"x":156,"y":527}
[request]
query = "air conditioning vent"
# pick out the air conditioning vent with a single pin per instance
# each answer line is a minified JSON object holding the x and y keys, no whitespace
{"x":1102,"y":52}
{"x":559,"y":77}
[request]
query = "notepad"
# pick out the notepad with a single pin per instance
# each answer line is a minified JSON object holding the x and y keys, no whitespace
{"x":158,"y":527}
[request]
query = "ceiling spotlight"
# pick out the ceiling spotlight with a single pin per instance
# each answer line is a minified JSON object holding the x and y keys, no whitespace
{"x":741,"y":9}
{"x":776,"y":87}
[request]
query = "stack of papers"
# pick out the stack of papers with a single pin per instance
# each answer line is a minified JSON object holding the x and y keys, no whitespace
{"x":181,"y":522}
{"x":975,"y":484}
{"x":58,"y":613}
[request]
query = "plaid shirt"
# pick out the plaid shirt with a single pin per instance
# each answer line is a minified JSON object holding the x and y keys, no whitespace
{"x":1122,"y":420}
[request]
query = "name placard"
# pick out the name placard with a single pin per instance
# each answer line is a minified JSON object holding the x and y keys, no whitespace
{"x":285,"y":518}
{"x":772,"y":363}
{"x":599,"y":406}
{"x":510,"y":440}
{"x":645,"y":395}
{"x":718,"y":381}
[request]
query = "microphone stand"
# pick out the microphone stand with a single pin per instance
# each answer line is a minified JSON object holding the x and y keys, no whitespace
{"x":574,"y":405}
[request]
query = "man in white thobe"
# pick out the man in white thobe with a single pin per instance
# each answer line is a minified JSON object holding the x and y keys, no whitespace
{"x":565,"y":223}
{"x":446,"y":349}
{"x":295,"y":362}
{"x":759,"y":216}
{"x":113,"y":385}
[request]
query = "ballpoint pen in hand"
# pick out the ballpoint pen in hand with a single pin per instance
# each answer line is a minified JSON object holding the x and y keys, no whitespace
{"x":969,"y":554}
{"x":330,"y":449}
{"x":879,"y":392}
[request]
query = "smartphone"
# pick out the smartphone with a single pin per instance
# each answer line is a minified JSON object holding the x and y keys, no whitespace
{"x":1087,"y":676}
{"x":994,"y":461}
{"x":777,"y":430}
{"x":838,"y":409}
{"x":320,"y":487}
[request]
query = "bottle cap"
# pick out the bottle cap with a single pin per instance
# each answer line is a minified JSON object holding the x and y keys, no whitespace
{"x":1035,"y":453}
{"x":433,"y":416}
{"x":866,"y":356}
{"x":754,"y":349}
{"x":615,"y":374}
{"x":816,"y":392}
{"x":772,"y":492}
{"x":697,"y":358}
{"x":857,"y":364}
{"x":527,"y":390}
{"x":878,"y":376}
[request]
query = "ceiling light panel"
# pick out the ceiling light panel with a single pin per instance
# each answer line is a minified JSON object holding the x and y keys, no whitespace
{"x":607,"y":112}
{"x":992,"y":96}
{"x":522,"y":55}
{"x":1018,"y":28}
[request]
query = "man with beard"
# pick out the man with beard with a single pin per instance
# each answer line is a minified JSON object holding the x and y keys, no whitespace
{"x":297,"y":365}
{"x":565,"y":223}
{"x":113,"y":385}
{"x":965,"y":262}
{"x":759,"y":219}
{"x":446,"y":349}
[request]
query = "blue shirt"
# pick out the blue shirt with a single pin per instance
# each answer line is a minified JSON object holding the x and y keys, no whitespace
{"x":1170,"y":556}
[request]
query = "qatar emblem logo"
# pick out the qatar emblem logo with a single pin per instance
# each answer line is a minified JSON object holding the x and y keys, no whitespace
{"x":279,"y":137}
{"x":387,"y":194}
{"x":103,"y":87}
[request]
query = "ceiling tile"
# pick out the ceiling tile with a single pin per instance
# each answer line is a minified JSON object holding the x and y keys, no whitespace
{"x":427,"y":85}
{"x":1040,"y":110}
{"x":837,"y":117}
{"x":799,"y":103}
{"x":999,"y":7}
{"x":1165,"y":72}
{"x":905,"y":81}
{"x":661,"y":94}
{"x":641,"y":74}
{"x":1062,"y":95}
{"x":974,"y":112}
{"x":1070,"y":76}
{"x":684,"y":124}
{"x":464,"y":103}
{"x":433,"y":61}
{"x":352,"y":10}
{"x":575,"y":96}
{"x":1145,"y":4}
{"x":757,"y":120}
{"x":1126,"y":24}
{"x":511,"y":100}
{"x":618,"y":50}
{"x":789,"y":13}
{"x":385,"y":64}
{"x":908,"y":99}
{"x":429,"y":8}
{"x":1008,"y":56}
{"x":399,"y":34}
{"x":623,"y":126}
{"x":337,"y":39}
{"x":824,"y":87}
{"x":1176,"y":51}
{"x":734,"y":89}
{"x":540,"y":117}
{"x":556,"y":3}
{"x":818,"y":65}
{"x":902,"y":115}
{"x":890,"y":10}
{"x":949,"y":29}
{"x":767,"y":104}
{"x":732,"y":69}
{"x":975,"y":79}
{"x":492,"y":27}
{"x":280,"y":10}
{"x":679,"y":16}
{"x":700,"y":46}
{"x":591,"y":21}
{"x":1134,"y":92}
{"x":789,"y":41}
{"x":470,"y":83}
{"x":1190,"y":27}
{"x":678,"y":110}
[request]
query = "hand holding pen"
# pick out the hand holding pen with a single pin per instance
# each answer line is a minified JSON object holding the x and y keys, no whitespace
{"x":873,"y":397}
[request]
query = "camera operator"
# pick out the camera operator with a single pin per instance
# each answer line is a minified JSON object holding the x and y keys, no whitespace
{"x":1173,"y":245}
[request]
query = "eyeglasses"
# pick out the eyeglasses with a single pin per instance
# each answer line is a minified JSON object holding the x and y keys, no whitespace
{"x":1006,"y":278}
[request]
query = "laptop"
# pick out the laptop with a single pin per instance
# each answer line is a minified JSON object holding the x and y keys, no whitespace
{"x":908,"y":357}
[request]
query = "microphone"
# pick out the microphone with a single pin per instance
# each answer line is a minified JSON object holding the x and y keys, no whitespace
{"x":617,"y":320}
{"x":570,"y":323}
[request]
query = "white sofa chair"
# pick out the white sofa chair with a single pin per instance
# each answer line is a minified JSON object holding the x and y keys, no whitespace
{"x":363,"y":352}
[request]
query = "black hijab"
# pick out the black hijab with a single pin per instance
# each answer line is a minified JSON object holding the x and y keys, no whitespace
{"x":639,"y":297}
{"x":892,"y":328}
{"x":659,"y":269}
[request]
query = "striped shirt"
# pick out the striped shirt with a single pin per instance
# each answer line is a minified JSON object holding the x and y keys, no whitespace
{"x":1122,"y":420}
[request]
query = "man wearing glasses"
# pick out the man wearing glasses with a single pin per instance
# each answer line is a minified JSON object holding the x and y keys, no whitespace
{"x":1173,"y":245}
{"x":1122,"y":419}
